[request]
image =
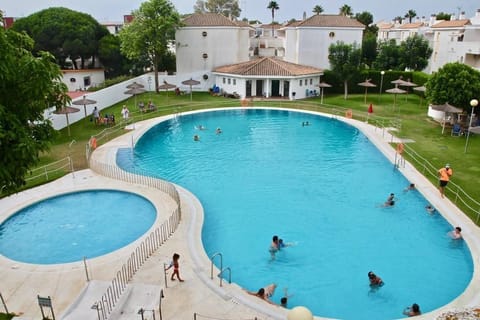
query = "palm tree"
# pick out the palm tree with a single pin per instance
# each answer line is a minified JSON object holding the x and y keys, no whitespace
{"x":346,"y":10}
{"x":410,"y":15}
{"x":273,"y":5}
{"x":317,"y":9}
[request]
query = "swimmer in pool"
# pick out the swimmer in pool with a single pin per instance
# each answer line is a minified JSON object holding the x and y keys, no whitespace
{"x":374,"y":279}
{"x":456,"y":234}
{"x":390,"y":201}
{"x":430,"y":209}
{"x":274,"y":246}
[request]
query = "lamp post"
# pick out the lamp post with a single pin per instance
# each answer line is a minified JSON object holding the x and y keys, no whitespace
{"x":382,"y":73}
{"x":473,"y":104}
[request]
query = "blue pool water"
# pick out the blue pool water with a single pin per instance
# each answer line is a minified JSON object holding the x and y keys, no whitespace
{"x":320,"y":187}
{"x":70,"y":227}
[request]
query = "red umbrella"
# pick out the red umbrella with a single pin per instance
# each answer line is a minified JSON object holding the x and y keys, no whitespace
{"x":370,"y":111}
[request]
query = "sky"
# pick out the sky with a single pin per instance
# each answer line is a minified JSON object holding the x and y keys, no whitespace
{"x":113,"y":10}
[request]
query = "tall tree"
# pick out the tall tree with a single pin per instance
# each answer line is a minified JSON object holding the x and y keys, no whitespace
{"x":224,"y":7}
{"x":345,"y":61}
{"x":317,"y":9}
{"x":410,"y":15}
{"x":388,"y":56}
{"x":346,"y":10}
{"x":369,"y":49}
{"x":29,"y":84}
{"x":450,"y":80}
{"x":150,"y":32}
{"x":114,"y":62}
{"x":273,"y":6}
{"x":414,"y":53}
{"x":64,"y":33}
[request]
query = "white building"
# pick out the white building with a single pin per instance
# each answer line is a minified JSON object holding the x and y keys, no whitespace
{"x":207,"y":41}
{"x":211,"y":42}
{"x":269,"y":77}
{"x":82,"y":79}
{"x":456,"y":40}
{"x":307,"y":41}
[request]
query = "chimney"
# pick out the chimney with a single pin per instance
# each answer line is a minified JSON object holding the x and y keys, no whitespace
{"x":433,"y":18}
{"x":461,"y":16}
{"x":304,"y":15}
{"x":453,"y":17}
{"x":477,"y":14}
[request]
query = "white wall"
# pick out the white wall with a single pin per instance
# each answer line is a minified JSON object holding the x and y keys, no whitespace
{"x":309,"y":46}
{"x":74,"y":79}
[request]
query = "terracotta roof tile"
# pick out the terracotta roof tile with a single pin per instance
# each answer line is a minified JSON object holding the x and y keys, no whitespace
{"x":452,"y":24}
{"x":329,"y":20}
{"x":209,"y":20}
{"x":268,"y":66}
{"x":411,"y":25}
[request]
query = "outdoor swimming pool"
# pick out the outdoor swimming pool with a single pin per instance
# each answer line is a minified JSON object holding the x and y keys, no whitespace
{"x":72,"y":226}
{"x":320,"y":187}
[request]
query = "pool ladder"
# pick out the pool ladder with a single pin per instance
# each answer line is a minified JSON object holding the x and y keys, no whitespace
{"x":222,"y":269}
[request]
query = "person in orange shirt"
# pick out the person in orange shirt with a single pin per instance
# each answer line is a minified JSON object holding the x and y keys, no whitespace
{"x":444,"y":175}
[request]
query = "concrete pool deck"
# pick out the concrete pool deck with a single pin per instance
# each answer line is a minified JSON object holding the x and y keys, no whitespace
{"x":72,"y":296}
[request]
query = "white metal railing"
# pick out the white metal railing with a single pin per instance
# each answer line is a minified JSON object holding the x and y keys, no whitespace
{"x":428,"y":170}
{"x":62,"y":165}
{"x":147,"y":247}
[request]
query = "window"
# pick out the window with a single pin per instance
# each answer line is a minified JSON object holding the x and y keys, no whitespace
{"x":301,"y":81}
{"x":234,"y":82}
{"x":224,"y":81}
{"x":331,"y":34}
{"x":229,"y":80}
{"x":204,"y":33}
{"x":311,"y":81}
{"x":205,"y":56}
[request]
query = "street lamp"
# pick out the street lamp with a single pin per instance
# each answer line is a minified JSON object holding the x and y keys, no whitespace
{"x":473,"y":104}
{"x":382,"y":73}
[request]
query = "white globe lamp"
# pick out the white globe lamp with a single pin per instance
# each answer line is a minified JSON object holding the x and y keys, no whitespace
{"x":299,"y":313}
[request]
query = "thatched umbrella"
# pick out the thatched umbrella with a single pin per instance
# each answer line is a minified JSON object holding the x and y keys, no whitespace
{"x":66,"y":111}
{"x":84,"y":101}
{"x":407,"y":84}
{"x":367,"y":84}
{"x":135,"y":91}
{"x":135,"y":85}
{"x":166,"y":86}
{"x":446,"y":108}
{"x":190,"y":82}
{"x":322,"y":86}
{"x":398,"y":82}
{"x":395,"y":91}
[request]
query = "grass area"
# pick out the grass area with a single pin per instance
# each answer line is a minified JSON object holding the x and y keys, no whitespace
{"x":408,"y":110}
{"x":4,"y":316}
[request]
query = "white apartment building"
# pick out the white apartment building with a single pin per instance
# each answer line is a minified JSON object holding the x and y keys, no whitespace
{"x":251,"y":61}
{"x":456,"y":40}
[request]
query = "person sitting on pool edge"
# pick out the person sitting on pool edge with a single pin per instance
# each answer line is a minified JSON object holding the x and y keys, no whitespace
{"x":265,"y":293}
{"x":412,"y":311}
{"x":374,"y":279}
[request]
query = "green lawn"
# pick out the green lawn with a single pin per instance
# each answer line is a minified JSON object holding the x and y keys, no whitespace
{"x":409,"y":114}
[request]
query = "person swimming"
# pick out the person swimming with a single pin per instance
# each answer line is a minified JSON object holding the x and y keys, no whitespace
{"x":390,"y":201}
{"x":274,"y":246}
{"x":374,"y":279}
